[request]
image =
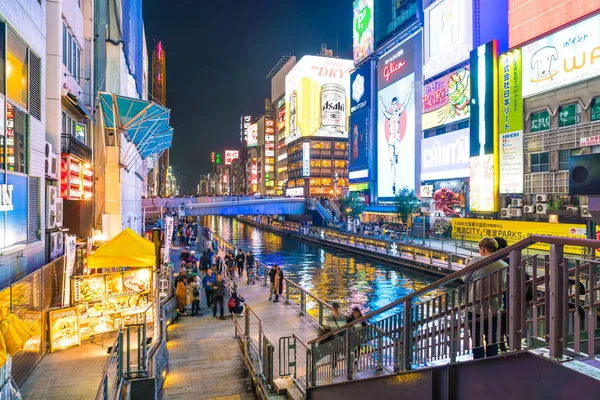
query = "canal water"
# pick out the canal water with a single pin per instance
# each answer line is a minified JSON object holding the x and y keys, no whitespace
{"x":331,"y":274}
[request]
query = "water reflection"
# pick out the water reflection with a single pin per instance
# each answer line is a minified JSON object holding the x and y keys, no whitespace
{"x":331,"y":274}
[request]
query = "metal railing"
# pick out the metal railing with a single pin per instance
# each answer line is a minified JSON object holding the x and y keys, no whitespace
{"x":543,"y":301}
{"x":70,"y":145}
{"x":112,"y":375}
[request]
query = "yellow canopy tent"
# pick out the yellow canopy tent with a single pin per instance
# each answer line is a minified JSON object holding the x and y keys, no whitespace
{"x":127,"y":249}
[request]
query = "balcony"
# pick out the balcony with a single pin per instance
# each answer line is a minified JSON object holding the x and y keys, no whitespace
{"x":70,"y":145}
{"x":547,"y":183}
{"x":560,"y":138}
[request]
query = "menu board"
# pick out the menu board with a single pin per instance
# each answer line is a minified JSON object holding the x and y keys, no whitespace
{"x":64,"y":328}
{"x":105,"y":318}
{"x":91,"y":288}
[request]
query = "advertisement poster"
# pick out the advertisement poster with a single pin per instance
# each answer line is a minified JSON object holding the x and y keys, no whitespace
{"x":359,"y":140}
{"x":168,"y":239}
{"x":511,"y":122}
{"x":475,"y":229}
{"x":448,"y":35}
{"x":396,"y":121}
{"x":447,"y":99}
{"x":445,"y":156}
{"x":245,"y":122}
{"x":568,"y":56}
{"x":484,"y":128}
{"x":64,"y":328}
{"x":317,"y":91}
{"x":450,"y":198}
{"x":252,"y":135}
{"x":230,"y":156}
{"x":363,"y":32}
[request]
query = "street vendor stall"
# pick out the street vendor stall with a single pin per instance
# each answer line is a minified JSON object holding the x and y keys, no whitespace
{"x":121,"y":291}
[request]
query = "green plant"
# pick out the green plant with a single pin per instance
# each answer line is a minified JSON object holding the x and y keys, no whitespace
{"x":351,"y":205}
{"x":555,"y":205}
{"x":406,"y":203}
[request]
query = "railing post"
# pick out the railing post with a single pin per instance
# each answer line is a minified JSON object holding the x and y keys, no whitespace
{"x":379,"y":351}
{"x":407,"y":337}
{"x":287,"y":294}
{"x":515,"y":299}
{"x":105,"y":386}
{"x":260,"y":336}
{"x":320,"y":314}
{"x":247,"y":321}
{"x":307,"y":373}
{"x":313,"y":366}
{"x":349,"y":356}
{"x":557,"y":297}
{"x":449,"y":261}
{"x":302,"y":303}
{"x":120,"y":359}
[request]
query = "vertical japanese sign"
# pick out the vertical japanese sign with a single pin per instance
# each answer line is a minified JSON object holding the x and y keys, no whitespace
{"x":306,"y":159}
{"x":70,"y":249}
{"x":511,"y":122}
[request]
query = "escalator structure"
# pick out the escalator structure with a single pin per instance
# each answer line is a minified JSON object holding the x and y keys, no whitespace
{"x":518,"y":330}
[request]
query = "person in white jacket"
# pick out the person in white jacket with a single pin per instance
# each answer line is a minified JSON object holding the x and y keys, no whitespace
{"x":482,"y":301}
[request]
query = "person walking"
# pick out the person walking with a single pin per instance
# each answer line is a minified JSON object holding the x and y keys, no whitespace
{"x":240,"y":259}
{"x":218,"y":265}
{"x":250,"y":267}
{"x":230,"y":264}
{"x":278,"y":284}
{"x":356,"y":314}
{"x":480,"y":307}
{"x":218,"y":291}
{"x":207,"y":282}
{"x":236,"y":301}
{"x":195,"y":288}
{"x":181,"y":294}
{"x":272,"y":275}
{"x":204,"y":264}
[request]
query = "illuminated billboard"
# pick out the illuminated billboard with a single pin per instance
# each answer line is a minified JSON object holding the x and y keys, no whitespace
{"x":363,"y":29}
{"x":445,"y":156}
{"x":568,"y":56}
{"x":360,"y":117}
{"x":484,"y":128}
{"x":317,"y":93}
{"x":448,"y":35}
{"x":252,"y":135}
{"x":245,"y":122}
{"x":447,"y":99}
{"x":230,"y":156}
{"x":396,"y":118}
{"x":511,"y":122}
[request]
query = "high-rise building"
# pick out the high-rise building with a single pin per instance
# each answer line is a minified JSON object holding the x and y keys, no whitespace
{"x":159,"y":94}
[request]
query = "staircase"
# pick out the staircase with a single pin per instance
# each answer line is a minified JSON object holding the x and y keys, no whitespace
{"x":537,"y":312}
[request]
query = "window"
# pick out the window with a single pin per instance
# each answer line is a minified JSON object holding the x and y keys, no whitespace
{"x":540,"y":121}
{"x":71,"y":127}
{"x":16,"y":70}
{"x":16,"y":139}
{"x":540,"y":162}
{"x":71,"y":54}
{"x":563,"y":160}
{"x":595,"y":110}
{"x":568,"y":115}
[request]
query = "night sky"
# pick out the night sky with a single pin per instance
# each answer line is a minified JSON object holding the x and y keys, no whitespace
{"x":218,"y":54}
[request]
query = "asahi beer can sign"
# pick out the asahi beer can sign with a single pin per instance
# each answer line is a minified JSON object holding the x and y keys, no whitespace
{"x":318,"y":95}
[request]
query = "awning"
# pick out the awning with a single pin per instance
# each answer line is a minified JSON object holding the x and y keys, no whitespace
{"x":127,"y":249}
{"x":74,"y":100}
{"x":380,"y":209}
{"x":145,"y":123}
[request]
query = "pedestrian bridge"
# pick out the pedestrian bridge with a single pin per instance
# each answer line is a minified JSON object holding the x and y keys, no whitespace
{"x":226,"y":206}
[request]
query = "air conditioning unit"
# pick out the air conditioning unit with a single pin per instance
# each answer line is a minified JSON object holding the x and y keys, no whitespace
{"x":59,"y":212}
{"x":51,"y":200}
{"x":529,"y":209}
{"x":585,"y":212}
{"x":573,"y":209}
{"x":541,"y":198}
{"x":505,"y":213}
{"x":516,"y":203}
{"x":51,"y":166}
{"x":516,"y":212}
{"x":541,"y":208}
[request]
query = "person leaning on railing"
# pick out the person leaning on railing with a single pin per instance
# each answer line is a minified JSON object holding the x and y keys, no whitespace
{"x":480,"y":307}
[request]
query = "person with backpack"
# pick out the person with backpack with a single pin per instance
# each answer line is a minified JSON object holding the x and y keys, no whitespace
{"x":235,"y":304}
{"x":204,"y":264}
{"x":272,"y":274}
{"x":218,"y":292}
{"x":195,"y":288}
{"x":240,"y":260}
{"x":278,"y":284}
{"x":207,"y":282}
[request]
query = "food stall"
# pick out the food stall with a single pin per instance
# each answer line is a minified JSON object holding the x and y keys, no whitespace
{"x":121,"y":290}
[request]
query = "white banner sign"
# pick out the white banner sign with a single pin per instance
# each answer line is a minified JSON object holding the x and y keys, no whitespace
{"x":168,"y":239}
{"x":563,"y":58}
{"x":445,"y":156}
{"x":511,"y":162}
{"x":306,"y":159}
{"x":70,"y":250}
{"x":589,"y":141}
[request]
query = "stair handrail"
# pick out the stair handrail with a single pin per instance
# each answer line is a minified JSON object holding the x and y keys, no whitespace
{"x":499,"y":255}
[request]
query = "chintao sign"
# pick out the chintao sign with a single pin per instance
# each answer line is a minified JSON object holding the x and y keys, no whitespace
{"x":445,"y":156}
{"x":568,"y":56}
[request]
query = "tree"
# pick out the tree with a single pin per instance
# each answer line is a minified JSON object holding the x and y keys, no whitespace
{"x":406,"y":203}
{"x":352,"y":206}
